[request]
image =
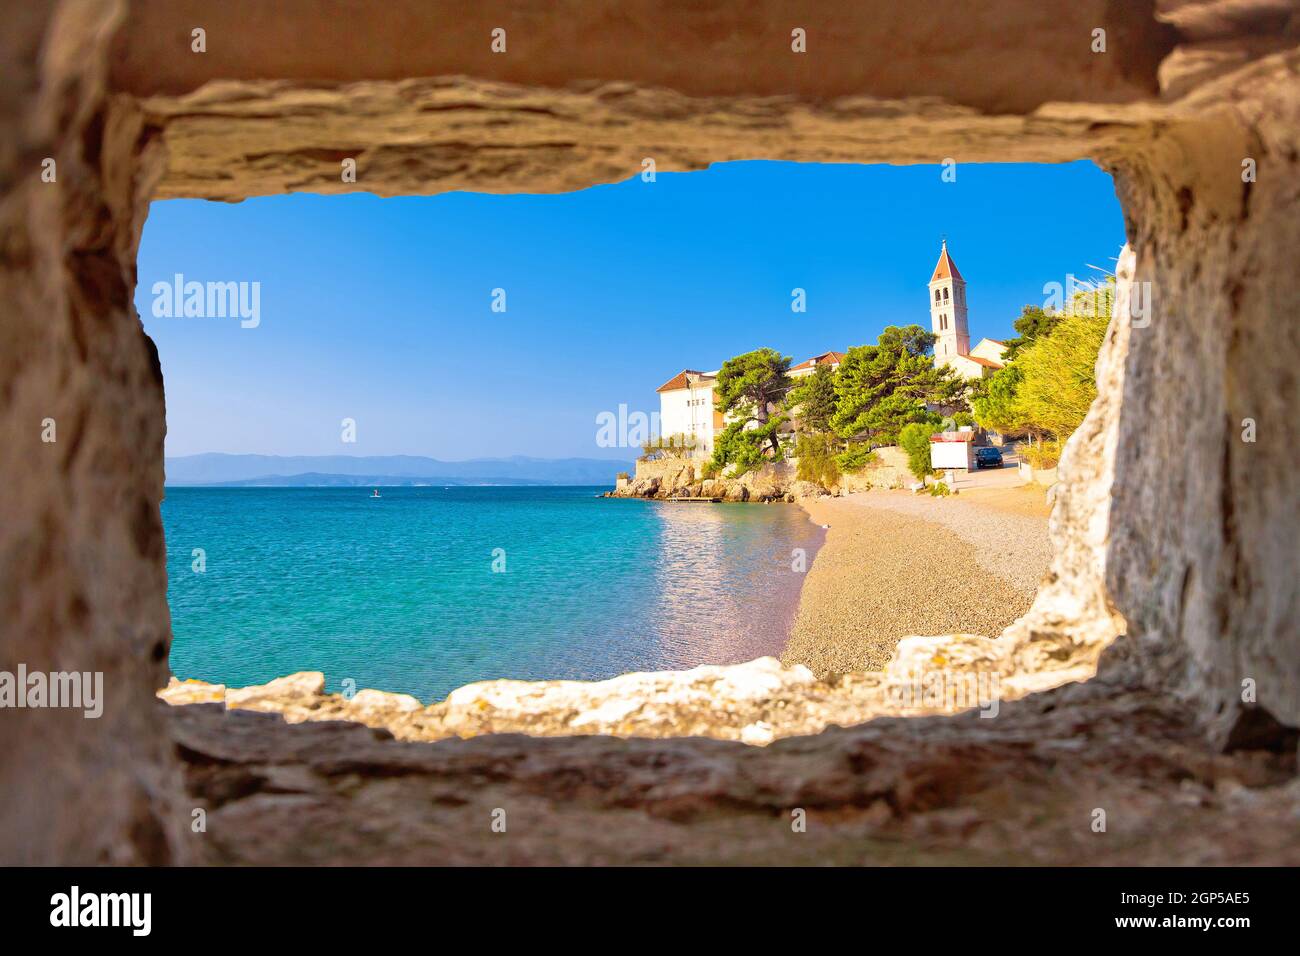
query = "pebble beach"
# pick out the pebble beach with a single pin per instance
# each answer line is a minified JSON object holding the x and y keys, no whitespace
{"x":895,"y":564}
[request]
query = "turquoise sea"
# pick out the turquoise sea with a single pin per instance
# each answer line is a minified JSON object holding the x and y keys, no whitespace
{"x":399,"y":593}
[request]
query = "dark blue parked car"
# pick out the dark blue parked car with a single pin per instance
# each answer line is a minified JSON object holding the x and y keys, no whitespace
{"x":988,"y":457}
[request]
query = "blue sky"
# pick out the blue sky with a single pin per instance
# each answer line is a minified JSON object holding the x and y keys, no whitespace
{"x":379,"y":310}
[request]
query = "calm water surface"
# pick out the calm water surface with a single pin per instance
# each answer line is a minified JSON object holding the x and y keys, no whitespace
{"x":399,"y":593}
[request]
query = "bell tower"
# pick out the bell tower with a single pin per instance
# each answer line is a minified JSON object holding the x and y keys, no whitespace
{"x":948,"y":309}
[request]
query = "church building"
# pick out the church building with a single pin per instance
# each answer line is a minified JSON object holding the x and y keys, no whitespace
{"x":948,"y":322}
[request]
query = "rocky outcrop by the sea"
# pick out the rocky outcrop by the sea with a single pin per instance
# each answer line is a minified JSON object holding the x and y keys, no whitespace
{"x":754,"y":703}
{"x":684,"y":478}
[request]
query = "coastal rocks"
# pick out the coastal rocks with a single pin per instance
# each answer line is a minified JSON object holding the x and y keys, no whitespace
{"x":755,"y":703}
{"x":1073,"y":618}
{"x":179,"y":692}
{"x":377,"y":704}
{"x":804,"y":489}
{"x":281,"y":694}
{"x":664,"y":478}
{"x":297,"y":698}
{"x":683,"y":478}
{"x":951,"y":651}
{"x":713,"y":488}
{"x":735,"y":492}
{"x":730,"y":703}
{"x":679,"y":478}
{"x":887,"y":469}
{"x":768,"y":482}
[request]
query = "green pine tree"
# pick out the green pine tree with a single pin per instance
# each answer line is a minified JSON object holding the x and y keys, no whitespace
{"x":750,"y":391}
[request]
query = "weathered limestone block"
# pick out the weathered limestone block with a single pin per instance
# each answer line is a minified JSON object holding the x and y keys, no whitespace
{"x":710,"y":701}
{"x":735,"y":491}
{"x":713,"y":488}
{"x":768,"y":482}
{"x":379,"y":701}
{"x":805,"y":489}
{"x":178,"y":692}
{"x":283,"y":693}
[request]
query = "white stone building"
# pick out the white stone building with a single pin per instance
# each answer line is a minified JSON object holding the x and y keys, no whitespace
{"x":686,"y":408}
{"x":686,"y":403}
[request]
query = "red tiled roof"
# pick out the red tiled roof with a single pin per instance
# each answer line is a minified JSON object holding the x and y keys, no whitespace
{"x":945,"y":268}
{"x":834,"y":358}
{"x":679,"y":381}
{"x":985,"y":362}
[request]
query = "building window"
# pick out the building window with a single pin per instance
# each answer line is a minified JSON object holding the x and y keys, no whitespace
{"x":945,"y":295}
{"x":936,"y":295}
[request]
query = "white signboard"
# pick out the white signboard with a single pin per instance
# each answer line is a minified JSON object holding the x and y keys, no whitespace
{"x":952,"y":454}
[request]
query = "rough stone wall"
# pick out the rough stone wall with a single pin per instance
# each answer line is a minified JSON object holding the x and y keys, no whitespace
{"x":951,"y":49}
{"x":1195,"y":554}
{"x":889,"y":470}
{"x":1202,"y":556}
{"x":82,"y":582}
{"x":1170,"y":528}
{"x":937,"y":791}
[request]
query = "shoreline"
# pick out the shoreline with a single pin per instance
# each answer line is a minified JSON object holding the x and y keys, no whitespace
{"x":778,"y":628}
{"x":823,"y":678}
{"x":871,"y":580}
{"x":895,"y":564}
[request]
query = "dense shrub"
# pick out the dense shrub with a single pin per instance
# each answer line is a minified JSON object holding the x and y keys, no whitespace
{"x":1043,"y":454}
{"x":915,"y":440}
{"x":750,"y":391}
{"x":817,"y":454}
{"x":1059,"y":381}
{"x":1050,"y":385}
{"x":857,"y":457}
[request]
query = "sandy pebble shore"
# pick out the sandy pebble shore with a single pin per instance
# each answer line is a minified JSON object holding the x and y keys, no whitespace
{"x":896,"y":564}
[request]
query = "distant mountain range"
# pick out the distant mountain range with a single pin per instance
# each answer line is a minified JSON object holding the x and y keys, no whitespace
{"x":349,"y":470}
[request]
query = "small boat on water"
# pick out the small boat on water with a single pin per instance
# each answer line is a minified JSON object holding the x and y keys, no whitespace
{"x":376,"y":494}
